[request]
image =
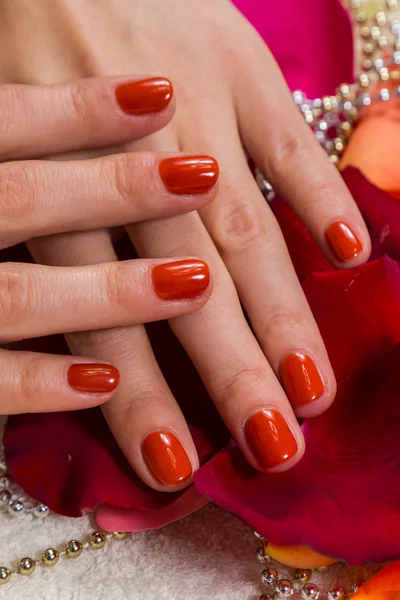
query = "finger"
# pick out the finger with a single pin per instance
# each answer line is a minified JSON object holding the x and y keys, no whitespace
{"x":231,"y":363}
{"x":46,"y":197}
{"x":283,"y":146}
{"x":32,"y":382}
{"x":143,"y":408}
{"x":39,"y":300}
{"x":89,"y":113}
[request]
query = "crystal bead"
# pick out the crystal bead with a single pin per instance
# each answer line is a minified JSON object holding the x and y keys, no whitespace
{"x":16,"y":508}
{"x":336,"y":593}
{"x":302,"y":575}
{"x":5,"y":498}
{"x":5,"y":575}
{"x":50,"y":557}
{"x":74,"y":549}
{"x":310,"y":592}
{"x":323,"y":126}
{"x":97,"y":540}
{"x":41,"y":511}
{"x":269,"y":577}
{"x":26,"y":566}
{"x":284,"y":588}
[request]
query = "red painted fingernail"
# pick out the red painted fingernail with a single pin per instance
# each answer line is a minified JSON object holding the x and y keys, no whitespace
{"x":144,"y":96}
{"x":270,"y":438}
{"x":93,"y":378}
{"x":301,"y":379}
{"x":343,"y":241}
{"x":189,"y":174}
{"x":166,"y":458}
{"x":181,"y":280}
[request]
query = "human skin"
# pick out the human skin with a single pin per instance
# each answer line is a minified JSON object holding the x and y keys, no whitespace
{"x":231,"y":102}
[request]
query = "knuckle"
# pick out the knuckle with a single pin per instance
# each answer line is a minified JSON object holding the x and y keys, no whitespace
{"x":290,"y":148}
{"x":79,"y":101}
{"x":238,"y":385}
{"x":236,"y":225}
{"x":281,"y":321}
{"x":117,"y":287}
{"x":30,"y":380}
{"x":15,"y":103}
{"x":15,"y":296}
{"x":122,"y":169}
{"x":18,"y":192}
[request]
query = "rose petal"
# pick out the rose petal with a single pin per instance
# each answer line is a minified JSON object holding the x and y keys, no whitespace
{"x":385,"y":585}
{"x":357,"y":312}
{"x":343,"y":498}
{"x":315,"y":58}
{"x":112,"y":518}
{"x":298,"y":557}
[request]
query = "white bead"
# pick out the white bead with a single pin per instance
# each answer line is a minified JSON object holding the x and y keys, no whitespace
{"x":384,"y":95}
{"x":395,"y":26}
{"x":366,"y":99}
{"x":396,"y":58}
{"x":41,"y":511}
{"x":16,"y":508}
{"x":379,"y":64}
{"x":298,"y":97}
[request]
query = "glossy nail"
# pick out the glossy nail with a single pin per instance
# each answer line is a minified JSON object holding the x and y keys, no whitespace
{"x":144,"y":96}
{"x":343,"y":241}
{"x":301,"y":379}
{"x":93,"y":378}
{"x":189,"y":174}
{"x":270,"y":439}
{"x":166,"y":458}
{"x":181,"y":280}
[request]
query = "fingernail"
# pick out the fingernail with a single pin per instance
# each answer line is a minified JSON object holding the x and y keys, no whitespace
{"x":343,"y":241}
{"x":189,"y":174}
{"x":181,"y":280}
{"x":93,"y":378}
{"x":144,"y":96}
{"x":301,"y":379}
{"x":166,"y":458}
{"x":270,"y":438}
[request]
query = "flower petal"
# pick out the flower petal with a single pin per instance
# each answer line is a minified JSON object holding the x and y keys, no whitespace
{"x":385,"y":585}
{"x":298,"y":557}
{"x":343,"y":498}
{"x":319,"y":56}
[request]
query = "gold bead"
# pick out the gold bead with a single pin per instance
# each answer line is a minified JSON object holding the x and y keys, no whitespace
{"x":326,"y":103}
{"x":334,"y":159}
{"x":120,"y":535}
{"x":345,"y":91}
{"x":74,"y":549}
{"x":97,"y":540}
{"x":339,"y":145}
{"x":384,"y":74}
{"x":361,"y":17}
{"x":302,"y":575}
{"x":346,"y":129}
{"x":364,"y":80}
{"x":375,"y":33}
{"x":383,"y":43}
{"x":26,"y":566}
{"x":368,"y":48}
{"x":353,"y":113}
{"x":393,"y":4}
{"x":309,"y":117}
{"x":367,"y":64}
{"x":50,"y":557}
{"x":381,"y":19}
{"x":365,"y":32}
{"x":5,"y":575}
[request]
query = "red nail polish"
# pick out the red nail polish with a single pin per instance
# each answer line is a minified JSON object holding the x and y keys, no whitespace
{"x":166,"y":458}
{"x":343,"y":241}
{"x":301,"y":379}
{"x":144,"y":96}
{"x":93,"y":378}
{"x":270,"y":438}
{"x":189,"y":174}
{"x":181,"y":280}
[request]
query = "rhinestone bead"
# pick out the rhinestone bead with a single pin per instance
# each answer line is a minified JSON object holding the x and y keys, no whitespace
{"x":5,"y":498}
{"x":16,"y":508}
{"x":310,"y":592}
{"x":97,"y":540}
{"x":41,"y":511}
{"x":336,"y":593}
{"x":74,"y":549}
{"x":50,"y":557}
{"x":26,"y":566}
{"x":120,"y":535}
{"x":269,"y":577}
{"x":5,"y":575}
{"x":302,"y":575}
{"x":284,"y":588}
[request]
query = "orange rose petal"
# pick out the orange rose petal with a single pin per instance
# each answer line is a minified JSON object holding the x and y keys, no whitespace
{"x":374,"y":147}
{"x":299,"y":557}
{"x":385,"y":585}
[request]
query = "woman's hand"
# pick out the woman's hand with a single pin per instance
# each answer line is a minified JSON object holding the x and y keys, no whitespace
{"x":47,"y":197}
{"x":232,"y":101}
